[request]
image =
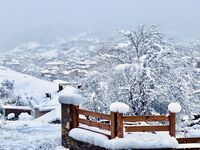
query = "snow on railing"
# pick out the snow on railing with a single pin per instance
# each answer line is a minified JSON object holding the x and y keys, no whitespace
{"x":115,"y":122}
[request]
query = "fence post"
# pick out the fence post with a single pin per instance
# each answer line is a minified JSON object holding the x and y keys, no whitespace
{"x":113,"y":125}
{"x":69,"y":115}
{"x":173,"y":109}
{"x":117,"y":120}
{"x":67,"y":125}
{"x":172,"y":124}
{"x":120,"y":132}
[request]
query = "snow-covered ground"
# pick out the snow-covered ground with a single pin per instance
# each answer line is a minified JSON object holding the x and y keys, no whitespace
{"x":29,"y":135}
{"x":38,"y":133}
{"x":26,"y":86}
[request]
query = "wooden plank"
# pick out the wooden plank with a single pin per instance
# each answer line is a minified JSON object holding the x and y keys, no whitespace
{"x":95,"y":124}
{"x":113,"y":125}
{"x":146,"y":128}
{"x":75,"y":116}
{"x":96,"y":132}
{"x":145,"y":118}
{"x":172,"y":124}
{"x":120,"y":126}
{"x":188,"y":140}
{"x":94,"y":114}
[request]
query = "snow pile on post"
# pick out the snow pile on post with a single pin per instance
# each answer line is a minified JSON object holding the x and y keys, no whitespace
{"x":71,"y":98}
{"x":119,"y":107}
{"x":174,"y":107}
{"x":137,"y":140}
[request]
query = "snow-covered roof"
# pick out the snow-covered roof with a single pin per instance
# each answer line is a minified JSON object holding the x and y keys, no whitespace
{"x":50,"y":116}
{"x":15,"y":107}
{"x":50,"y":104}
{"x":87,"y":62}
{"x":13,"y":63}
{"x":45,"y":71}
{"x":55,"y":63}
{"x":67,"y":72}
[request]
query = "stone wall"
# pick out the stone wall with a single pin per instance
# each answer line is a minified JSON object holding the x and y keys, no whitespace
{"x":79,"y":145}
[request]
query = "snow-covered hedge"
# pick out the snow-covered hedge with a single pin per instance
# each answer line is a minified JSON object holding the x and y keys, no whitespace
{"x":174,"y":107}
{"x":119,"y":107}
{"x":75,"y":99}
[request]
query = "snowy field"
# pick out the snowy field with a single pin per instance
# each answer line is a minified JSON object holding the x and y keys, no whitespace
{"x":29,"y":135}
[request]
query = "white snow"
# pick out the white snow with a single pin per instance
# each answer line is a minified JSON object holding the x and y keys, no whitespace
{"x":174,"y":107}
{"x":50,"y":54}
{"x":137,"y":140}
{"x":25,"y":116}
{"x":10,"y":116}
{"x":70,"y":96}
{"x":26,"y":86}
{"x":123,"y":66}
{"x":119,"y":107}
{"x":29,"y":135}
{"x":32,"y":45}
{"x":50,"y":104}
{"x":50,"y":116}
{"x":55,"y":63}
{"x":88,"y":136}
{"x":193,"y":131}
{"x":15,"y":107}
{"x":191,"y":145}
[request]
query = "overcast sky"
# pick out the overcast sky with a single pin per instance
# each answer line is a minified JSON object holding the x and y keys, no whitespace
{"x":24,"y":16}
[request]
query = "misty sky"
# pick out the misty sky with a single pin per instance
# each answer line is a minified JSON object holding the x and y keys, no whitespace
{"x":19,"y":18}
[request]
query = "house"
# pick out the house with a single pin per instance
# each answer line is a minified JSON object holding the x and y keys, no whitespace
{"x":48,"y":104}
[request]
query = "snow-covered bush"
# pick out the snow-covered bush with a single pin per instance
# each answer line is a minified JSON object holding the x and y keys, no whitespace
{"x":6,"y":89}
{"x":7,"y":95}
{"x":25,"y":116}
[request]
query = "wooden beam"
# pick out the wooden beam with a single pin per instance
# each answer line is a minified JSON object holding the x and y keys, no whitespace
{"x":146,"y":128}
{"x":188,"y":140}
{"x":172,"y":124}
{"x":95,"y":124}
{"x":75,"y":116}
{"x":113,"y":125}
{"x":120,"y":126}
{"x":94,"y":114}
{"x":145,"y":118}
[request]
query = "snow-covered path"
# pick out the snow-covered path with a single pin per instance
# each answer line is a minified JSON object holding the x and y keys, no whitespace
{"x":25,"y":135}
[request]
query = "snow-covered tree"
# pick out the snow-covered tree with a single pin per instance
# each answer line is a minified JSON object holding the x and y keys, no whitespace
{"x":145,"y":71}
{"x":7,"y":95}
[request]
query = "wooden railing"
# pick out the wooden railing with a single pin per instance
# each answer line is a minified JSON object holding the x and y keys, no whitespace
{"x":116,"y":122}
{"x":170,"y":127}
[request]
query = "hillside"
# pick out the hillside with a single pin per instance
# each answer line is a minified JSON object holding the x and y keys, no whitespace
{"x":27,"y":87}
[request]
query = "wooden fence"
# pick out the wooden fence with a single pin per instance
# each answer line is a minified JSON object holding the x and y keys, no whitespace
{"x":116,"y":122}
